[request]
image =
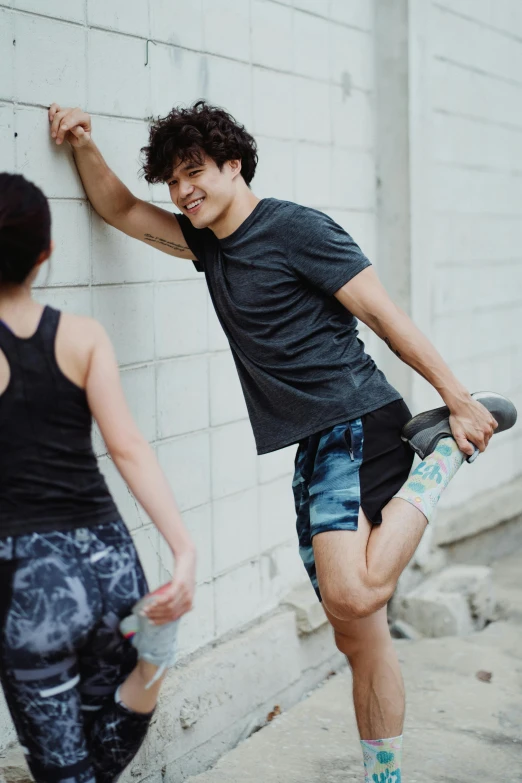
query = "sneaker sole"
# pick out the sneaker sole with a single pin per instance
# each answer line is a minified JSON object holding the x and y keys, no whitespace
{"x":424,"y":431}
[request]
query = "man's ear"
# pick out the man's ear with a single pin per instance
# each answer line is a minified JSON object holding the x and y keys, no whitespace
{"x":235,"y":167}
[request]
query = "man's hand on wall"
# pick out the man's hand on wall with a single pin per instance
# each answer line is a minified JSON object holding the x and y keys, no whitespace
{"x":72,"y":125}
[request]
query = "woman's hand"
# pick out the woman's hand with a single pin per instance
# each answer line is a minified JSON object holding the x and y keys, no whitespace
{"x":175,"y":598}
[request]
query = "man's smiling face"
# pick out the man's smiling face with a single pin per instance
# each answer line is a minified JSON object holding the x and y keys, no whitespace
{"x":201,"y":190}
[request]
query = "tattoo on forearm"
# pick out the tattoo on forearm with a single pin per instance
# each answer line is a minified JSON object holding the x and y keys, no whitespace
{"x":165,"y":243}
{"x":390,"y":346}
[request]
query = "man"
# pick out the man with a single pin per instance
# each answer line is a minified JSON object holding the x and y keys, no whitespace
{"x":288,"y":284}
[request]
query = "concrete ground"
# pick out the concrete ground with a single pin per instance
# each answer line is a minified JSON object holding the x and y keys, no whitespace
{"x":459,"y":728}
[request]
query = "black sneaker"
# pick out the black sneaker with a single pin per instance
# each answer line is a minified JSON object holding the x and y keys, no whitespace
{"x":424,"y":431}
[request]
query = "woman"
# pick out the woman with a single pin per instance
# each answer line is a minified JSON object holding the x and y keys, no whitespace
{"x":80,"y":694}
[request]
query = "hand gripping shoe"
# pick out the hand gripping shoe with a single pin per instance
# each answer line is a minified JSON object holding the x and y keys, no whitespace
{"x":154,"y":643}
{"x":424,"y":431}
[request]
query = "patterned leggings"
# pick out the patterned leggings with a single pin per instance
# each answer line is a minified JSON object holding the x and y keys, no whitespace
{"x":62,"y":657}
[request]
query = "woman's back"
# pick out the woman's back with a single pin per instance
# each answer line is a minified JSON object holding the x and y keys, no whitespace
{"x":49,"y":477}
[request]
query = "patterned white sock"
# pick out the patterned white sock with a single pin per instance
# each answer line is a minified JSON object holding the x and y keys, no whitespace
{"x":428,"y":481}
{"x":382,"y":760}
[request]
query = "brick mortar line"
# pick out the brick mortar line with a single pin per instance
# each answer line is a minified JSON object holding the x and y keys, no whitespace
{"x":330,"y":82}
{"x":347,"y":25}
{"x":252,"y":559}
{"x":457,"y":362}
{"x":504,"y":354}
{"x":201,"y":52}
{"x":156,"y":362}
{"x":511,"y":305}
{"x":479,"y":71}
{"x":211,"y":428}
{"x":337,"y":208}
{"x":475,"y":167}
{"x":44,"y":107}
{"x":477,"y":119}
{"x":478,"y":22}
{"x":212,"y":500}
{"x":473,"y":264}
{"x":108,"y":115}
{"x":500,"y":215}
{"x":123,"y":285}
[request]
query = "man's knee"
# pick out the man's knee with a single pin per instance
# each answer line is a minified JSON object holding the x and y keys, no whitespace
{"x":354,"y":602}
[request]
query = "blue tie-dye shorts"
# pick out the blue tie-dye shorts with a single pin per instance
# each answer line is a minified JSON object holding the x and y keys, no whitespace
{"x":357,"y":464}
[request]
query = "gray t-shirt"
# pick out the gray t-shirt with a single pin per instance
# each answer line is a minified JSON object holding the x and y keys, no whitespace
{"x":296,"y":349}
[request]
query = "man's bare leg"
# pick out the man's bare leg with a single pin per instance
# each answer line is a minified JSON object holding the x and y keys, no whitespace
{"x":378,"y":689}
{"x":358,"y":570}
{"x":357,"y":573}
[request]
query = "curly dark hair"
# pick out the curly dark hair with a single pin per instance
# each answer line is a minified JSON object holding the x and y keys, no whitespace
{"x":186,"y":133}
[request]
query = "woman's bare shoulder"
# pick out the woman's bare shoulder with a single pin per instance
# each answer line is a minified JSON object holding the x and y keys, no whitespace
{"x":81,"y":328}
{"x":77,"y":340}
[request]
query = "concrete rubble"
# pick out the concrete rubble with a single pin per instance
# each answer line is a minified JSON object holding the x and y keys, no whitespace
{"x":455,"y":602}
{"x":13,"y":768}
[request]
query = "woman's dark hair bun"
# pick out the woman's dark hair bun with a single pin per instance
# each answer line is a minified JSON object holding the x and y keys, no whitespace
{"x":25,"y":227}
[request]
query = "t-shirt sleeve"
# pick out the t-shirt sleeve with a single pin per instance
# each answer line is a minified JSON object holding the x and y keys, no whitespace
{"x":322,"y":252}
{"x":199,"y":240}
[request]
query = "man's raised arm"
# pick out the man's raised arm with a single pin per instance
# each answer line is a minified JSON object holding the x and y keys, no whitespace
{"x":111,"y":199}
{"x":365,"y":297}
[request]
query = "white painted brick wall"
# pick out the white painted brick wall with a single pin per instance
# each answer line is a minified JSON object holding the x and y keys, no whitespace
{"x":279,"y":67}
{"x":473,"y":61}
{"x":226,"y":396}
{"x":7,"y":146}
{"x":186,"y":462}
{"x":236,"y":518}
{"x":177,"y":76}
{"x":125,"y":16}
{"x":181,"y":318}
{"x":182,"y":396}
{"x":70,"y":264}
{"x":233,"y":459}
{"x":74,"y":10}
{"x":177,"y":22}
{"x":139,"y":385}
{"x":128,"y":315}
{"x":272,"y":30}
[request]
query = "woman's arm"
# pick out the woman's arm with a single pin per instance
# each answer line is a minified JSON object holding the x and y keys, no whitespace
{"x":139,"y":467}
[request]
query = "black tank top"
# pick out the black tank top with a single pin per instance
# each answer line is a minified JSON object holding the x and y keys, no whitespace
{"x":49,"y":475}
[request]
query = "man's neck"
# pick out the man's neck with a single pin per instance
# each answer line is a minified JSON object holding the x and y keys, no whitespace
{"x":241,"y":207}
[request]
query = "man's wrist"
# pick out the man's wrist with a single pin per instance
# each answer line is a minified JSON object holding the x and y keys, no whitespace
{"x":456,"y":398}
{"x":86,"y":149}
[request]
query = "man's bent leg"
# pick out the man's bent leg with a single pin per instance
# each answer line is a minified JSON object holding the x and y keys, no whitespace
{"x":358,"y":569}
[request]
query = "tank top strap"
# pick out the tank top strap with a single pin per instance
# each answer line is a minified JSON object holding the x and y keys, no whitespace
{"x":48,"y":327}
{"x":43,"y":339}
{"x":7,"y":342}
{"x":46,"y":336}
